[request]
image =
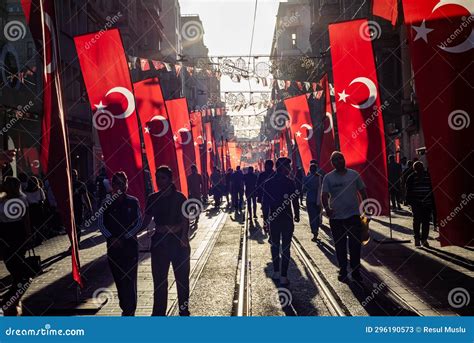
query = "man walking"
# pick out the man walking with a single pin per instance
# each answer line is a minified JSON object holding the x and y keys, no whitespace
{"x":279,"y":196}
{"x":420,"y":198}
{"x":120,"y":223}
{"x":394,"y":178}
{"x":237,"y":189}
{"x":196,"y":189}
{"x":341,"y":188}
{"x":262,"y":177}
{"x":250,"y":182}
{"x":312,"y":186}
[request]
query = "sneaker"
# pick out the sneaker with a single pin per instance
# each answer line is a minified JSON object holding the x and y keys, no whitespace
{"x":315,"y":238}
{"x":276,"y":276}
{"x":356,"y":276}
{"x":417,"y":243}
{"x":342,"y":276}
{"x":284,"y":281}
{"x":425,"y":244}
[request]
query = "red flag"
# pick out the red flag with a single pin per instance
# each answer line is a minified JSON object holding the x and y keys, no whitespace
{"x":196,"y":128}
{"x":284,"y":142}
{"x":144,"y":64}
{"x":359,"y":114}
{"x":441,"y":43}
{"x":209,"y":147}
{"x":302,"y":128}
{"x":107,"y":79}
{"x":227,"y":155}
{"x":328,"y":140}
{"x":387,"y":9}
{"x":183,"y":137}
{"x":55,"y":152}
{"x":157,"y":135}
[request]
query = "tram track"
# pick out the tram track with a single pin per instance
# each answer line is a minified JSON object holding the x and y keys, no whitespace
{"x":242,"y":298}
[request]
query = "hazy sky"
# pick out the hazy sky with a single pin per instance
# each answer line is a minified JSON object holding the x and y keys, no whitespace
{"x":228,"y":30}
{"x":228,"y":24}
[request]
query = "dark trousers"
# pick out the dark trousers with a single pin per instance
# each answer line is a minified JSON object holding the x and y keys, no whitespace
{"x":395,"y":197}
{"x":123,"y":263}
{"x":281,"y":233}
{"x":167,"y":250}
{"x":237,"y":198}
{"x":314,"y":214}
{"x":421,"y":219}
{"x":343,"y":230}
{"x":251,"y":203}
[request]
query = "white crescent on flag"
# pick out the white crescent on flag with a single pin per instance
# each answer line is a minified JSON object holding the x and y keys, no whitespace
{"x":189,"y":136}
{"x":372,"y":92}
{"x":166,"y":126}
{"x":310,"y":131}
{"x":130,"y":101}
{"x":468,"y":44}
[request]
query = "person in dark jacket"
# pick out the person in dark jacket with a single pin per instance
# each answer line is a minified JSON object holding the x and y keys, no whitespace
{"x":394,"y":181}
{"x":279,"y":196}
{"x":170,"y":242}
{"x":262,"y":177}
{"x":120,"y":223}
{"x":420,"y":198}
{"x":299,"y":175}
{"x":250,"y":181}
{"x":237,"y":189}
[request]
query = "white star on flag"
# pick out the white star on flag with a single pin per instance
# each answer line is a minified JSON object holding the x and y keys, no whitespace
{"x":298,"y":134}
{"x":421,"y":31}
{"x":100,"y":106}
{"x":147,"y":129}
{"x":343,"y":96}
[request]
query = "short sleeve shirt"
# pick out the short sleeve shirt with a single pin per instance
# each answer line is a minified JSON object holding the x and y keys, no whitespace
{"x":166,"y":210}
{"x":343,"y":191}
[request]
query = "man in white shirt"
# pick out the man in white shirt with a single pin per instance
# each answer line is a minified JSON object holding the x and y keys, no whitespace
{"x":340,"y":198}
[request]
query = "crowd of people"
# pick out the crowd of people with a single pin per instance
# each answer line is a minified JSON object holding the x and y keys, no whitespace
{"x":279,"y":188}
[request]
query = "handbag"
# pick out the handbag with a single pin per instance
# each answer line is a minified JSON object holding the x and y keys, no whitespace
{"x":365,"y":236}
{"x":33,"y":262}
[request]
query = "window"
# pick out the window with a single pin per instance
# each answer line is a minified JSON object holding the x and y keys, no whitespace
{"x":293,"y":40}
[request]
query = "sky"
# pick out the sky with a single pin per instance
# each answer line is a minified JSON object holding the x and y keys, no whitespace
{"x":228,"y":30}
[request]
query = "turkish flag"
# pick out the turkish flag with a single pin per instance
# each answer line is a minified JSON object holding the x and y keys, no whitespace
{"x":328,"y":145}
{"x":157,"y":134}
{"x":55,"y":153}
{"x":284,"y":142}
{"x":441,"y":39}
{"x":387,"y":9}
{"x":209,"y":148}
{"x":359,"y":113}
{"x":302,"y":128}
{"x":183,"y":138}
{"x":196,"y":127}
{"x":107,"y":79}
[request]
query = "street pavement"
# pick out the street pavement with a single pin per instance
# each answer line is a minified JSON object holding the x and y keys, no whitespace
{"x":399,"y":278}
